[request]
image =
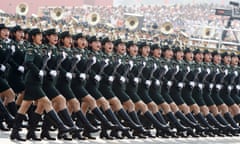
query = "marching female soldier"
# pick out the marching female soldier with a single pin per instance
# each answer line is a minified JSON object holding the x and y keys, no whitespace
{"x":155,"y":92}
{"x":6,"y":92}
{"x":58,"y":101}
{"x":35,"y":62}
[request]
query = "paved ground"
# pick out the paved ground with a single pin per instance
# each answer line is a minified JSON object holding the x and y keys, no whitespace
{"x":4,"y":139}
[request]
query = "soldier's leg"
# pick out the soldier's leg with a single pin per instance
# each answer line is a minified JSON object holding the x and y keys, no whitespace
{"x":90,"y":101}
{"x":59,"y":103}
{"x":19,"y":99}
{"x":9,"y":100}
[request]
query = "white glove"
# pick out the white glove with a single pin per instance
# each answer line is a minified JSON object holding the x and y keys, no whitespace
{"x":235,"y":73}
{"x":226,"y":71}
{"x":180,"y":85}
{"x":192,"y":83}
{"x":177,"y":67}
{"x":208,"y":70}
{"x":122,"y":79}
{"x":188,"y":69}
{"x":83,"y":76}
{"x":199,"y":69}
{"x":148,"y":82}
{"x":41,"y":73}
{"x":94,"y":60}
{"x":157,"y":82}
{"x":78,"y":57}
{"x":136,"y":80}
{"x":69,"y":75}
{"x":2,"y":68}
{"x":97,"y":77}
{"x":166,"y":68}
{"x":111,"y":78}
{"x":53,"y":73}
{"x":21,"y":69}
{"x":13,"y":48}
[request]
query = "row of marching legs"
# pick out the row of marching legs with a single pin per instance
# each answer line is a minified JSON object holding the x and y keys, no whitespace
{"x":114,"y":125}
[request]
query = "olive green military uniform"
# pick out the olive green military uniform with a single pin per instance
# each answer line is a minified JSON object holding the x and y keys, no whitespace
{"x":64,"y":82}
{"x":81,"y":74}
{"x":236,"y":87}
{"x":167,"y":81}
{"x":120,"y":81}
{"x":105,"y":86}
{"x":5,"y":53}
{"x":134,"y":79}
{"x":208,"y":84}
{"x":227,"y":86}
{"x":16,"y":77}
{"x":33,"y":81}
{"x":178,"y":82}
{"x":197,"y":92}
{"x":95,"y":77}
{"x":155,"y":88}
{"x":49,"y":81}
{"x":218,"y":85}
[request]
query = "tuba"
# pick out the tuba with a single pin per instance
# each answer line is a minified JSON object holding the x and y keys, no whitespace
{"x":22,"y":9}
{"x":131,"y":22}
{"x":167,"y":28}
{"x":93,"y":18}
{"x":57,"y":14}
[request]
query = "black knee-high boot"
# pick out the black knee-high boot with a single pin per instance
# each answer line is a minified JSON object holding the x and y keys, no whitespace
{"x":67,"y":120}
{"x":229,"y":129}
{"x":62,"y":129}
{"x":46,"y":128}
{"x":88,"y":127}
{"x":16,"y":126}
{"x":174,"y":121}
{"x":230,"y":119}
{"x":215,"y":122}
{"x":92,"y":119}
{"x":204,"y":122}
{"x":155,"y":122}
{"x":199,"y":129}
{"x":104,"y":121}
{"x":237,"y":118}
{"x":33,"y":121}
{"x":8,"y":117}
{"x":114,"y":133}
{"x":12,"y":108}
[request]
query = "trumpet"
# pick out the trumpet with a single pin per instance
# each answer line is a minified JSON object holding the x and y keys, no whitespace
{"x":22,"y":9}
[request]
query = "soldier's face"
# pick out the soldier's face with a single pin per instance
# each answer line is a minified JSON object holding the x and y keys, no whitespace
{"x":108,"y":47}
{"x":121,"y":48}
{"x":207,"y":57}
{"x":145,"y":51}
{"x":199,"y":57}
{"x":179,"y":55}
{"x":4,"y":33}
{"x":168,"y":54}
{"x":157,"y":52}
{"x":67,"y":42}
{"x":96,"y":45}
{"x":133,"y":50}
{"x":19,"y":35}
{"x":37,"y":39}
{"x":53,"y":39}
{"x":81,"y":42}
{"x":189,"y":56}
{"x":227,"y":60}
{"x":234,"y":61}
{"x":217,"y":59}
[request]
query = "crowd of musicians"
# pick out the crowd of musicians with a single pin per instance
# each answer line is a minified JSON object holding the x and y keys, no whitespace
{"x":80,"y":85}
